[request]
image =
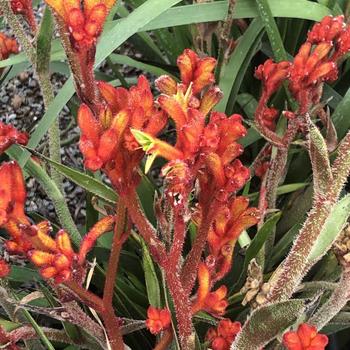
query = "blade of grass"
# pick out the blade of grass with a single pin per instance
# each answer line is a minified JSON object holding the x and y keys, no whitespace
{"x":240,"y":57}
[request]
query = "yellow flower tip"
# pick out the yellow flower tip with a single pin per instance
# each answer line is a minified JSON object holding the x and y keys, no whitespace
{"x":57,"y":6}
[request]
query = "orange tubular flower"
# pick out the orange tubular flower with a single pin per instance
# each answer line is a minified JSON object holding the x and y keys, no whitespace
{"x":84,"y":20}
{"x":213,"y":302}
{"x":305,"y":338}
{"x":101,"y":227}
{"x":10,"y":135}
{"x":157,"y":319}
{"x":4,"y":268}
{"x":8,"y":46}
{"x":195,"y":70}
{"x":228,"y":224}
{"x":108,"y":139}
{"x":223,"y":336}
{"x":332,"y":30}
{"x":54,"y":257}
{"x":98,"y":145}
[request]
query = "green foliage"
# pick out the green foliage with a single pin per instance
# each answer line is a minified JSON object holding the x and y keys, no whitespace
{"x":158,"y":31}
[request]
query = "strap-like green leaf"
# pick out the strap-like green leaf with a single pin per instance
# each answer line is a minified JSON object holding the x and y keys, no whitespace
{"x":332,"y":228}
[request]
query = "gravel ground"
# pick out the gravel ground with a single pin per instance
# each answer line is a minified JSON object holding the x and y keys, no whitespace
{"x":21,"y":104}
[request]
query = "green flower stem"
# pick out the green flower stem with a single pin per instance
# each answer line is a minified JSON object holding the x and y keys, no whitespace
{"x":334,"y":304}
{"x":287,"y":278}
{"x":43,"y":78}
{"x":58,"y":200}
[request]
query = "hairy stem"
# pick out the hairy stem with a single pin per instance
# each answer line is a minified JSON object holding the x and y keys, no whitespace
{"x":114,"y":255}
{"x":334,"y":304}
{"x":182,"y":308}
{"x":17,"y":28}
{"x":287,"y":278}
{"x":86,"y":297}
{"x":190,"y":268}
{"x":144,"y":227}
{"x":43,"y":78}
{"x":111,"y":321}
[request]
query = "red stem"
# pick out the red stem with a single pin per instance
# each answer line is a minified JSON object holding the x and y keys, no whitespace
{"x":178,"y":241}
{"x":182,"y":306}
{"x":144,"y":227}
{"x":110,"y":320}
{"x":190,"y":268}
{"x":87,"y":297}
{"x":5,"y":339}
{"x":114,"y":255}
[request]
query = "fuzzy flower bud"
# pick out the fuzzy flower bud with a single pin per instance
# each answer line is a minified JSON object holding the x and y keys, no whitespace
{"x":157,"y":319}
{"x":305,"y":338}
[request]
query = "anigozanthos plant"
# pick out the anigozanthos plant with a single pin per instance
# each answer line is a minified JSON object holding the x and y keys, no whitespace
{"x":200,"y":209}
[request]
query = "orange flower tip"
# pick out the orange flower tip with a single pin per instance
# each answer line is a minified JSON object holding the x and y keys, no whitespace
{"x":40,"y":258}
{"x":64,"y":243}
{"x":62,"y":262}
{"x":4,"y":268}
{"x":157,"y":319}
{"x":48,"y":272}
{"x":166,"y":85}
{"x":8,"y":45}
{"x":210,"y":99}
{"x":93,"y":164}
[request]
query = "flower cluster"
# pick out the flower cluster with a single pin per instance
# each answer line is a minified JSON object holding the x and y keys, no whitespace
{"x":228,"y":224}
{"x":222,"y":337}
{"x":158,"y":319}
{"x":305,"y":338}
{"x":83,"y":19}
{"x":209,"y":150}
{"x":55,"y":257}
{"x":315,"y":63}
{"x":106,"y":139}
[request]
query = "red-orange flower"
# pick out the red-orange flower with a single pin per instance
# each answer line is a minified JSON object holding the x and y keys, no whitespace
{"x":8,"y":46}
{"x":222,"y":337}
{"x":89,"y":240}
{"x":228,"y":224}
{"x":12,"y":194}
{"x":108,"y":139}
{"x":305,"y":338}
{"x":84,"y":19}
{"x":157,"y":319}
{"x":9,"y":135}
{"x":195,"y":70}
{"x":272,"y":75}
{"x":212,"y":302}
{"x":332,"y":30}
{"x":54,"y":257}
{"x":4,"y":268}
